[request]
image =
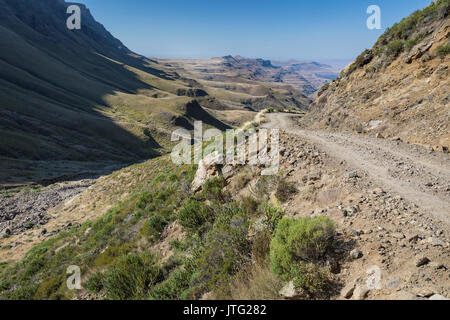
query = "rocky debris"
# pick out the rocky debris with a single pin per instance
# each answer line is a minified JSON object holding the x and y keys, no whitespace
{"x":394,"y":283}
{"x":421,"y":261}
{"x":208,"y":167}
{"x":289,"y":291}
{"x":360,"y":292}
{"x":436,"y":242}
{"x":28,"y":208}
{"x":391,"y":231}
{"x":418,"y":51}
{"x":351,"y":175}
{"x":347,"y":291}
{"x":356,"y":254}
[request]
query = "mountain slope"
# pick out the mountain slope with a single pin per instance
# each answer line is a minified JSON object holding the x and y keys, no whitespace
{"x":70,"y":98}
{"x":400,"y":87}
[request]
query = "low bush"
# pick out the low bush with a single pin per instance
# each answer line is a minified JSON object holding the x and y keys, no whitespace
{"x":443,"y":51}
{"x":194,"y":215}
{"x":95,"y":283}
{"x":411,"y":42}
{"x":304,"y":239}
{"x":261,"y":247}
{"x":297,"y":246}
{"x":213,"y":189}
{"x":225,"y":251}
{"x":394,"y":48}
{"x":154,"y":226}
{"x":131,"y":277}
{"x":272,"y":216}
{"x":285,"y":190}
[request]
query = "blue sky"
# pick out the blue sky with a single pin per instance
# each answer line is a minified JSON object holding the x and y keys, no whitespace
{"x":274,"y":29}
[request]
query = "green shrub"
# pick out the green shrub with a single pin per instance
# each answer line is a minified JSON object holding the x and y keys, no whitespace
{"x":131,"y":277}
{"x":313,"y":280}
{"x":250,"y":205}
{"x":194,"y":214}
{"x":50,"y":289}
{"x":226,"y":250}
{"x":394,"y":48}
{"x":154,"y":226}
{"x":296,"y":246}
{"x":94,"y":283}
{"x":144,"y":199}
{"x":213,"y":189}
{"x":272,"y":216}
{"x":443,"y":51}
{"x":173,"y":287}
{"x":304,"y":240}
{"x":411,"y":42}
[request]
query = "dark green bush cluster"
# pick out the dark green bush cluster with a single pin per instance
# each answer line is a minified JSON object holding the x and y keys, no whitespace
{"x":131,"y":277}
{"x":272,"y":216}
{"x":154,"y":226}
{"x":443,"y":51}
{"x":297,"y":246}
{"x":412,"y":41}
{"x":95,"y":283}
{"x":194,"y":214}
{"x":226,"y":249}
{"x":394,"y":48}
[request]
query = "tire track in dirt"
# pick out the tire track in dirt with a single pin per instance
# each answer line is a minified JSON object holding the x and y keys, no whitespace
{"x":381,"y":161}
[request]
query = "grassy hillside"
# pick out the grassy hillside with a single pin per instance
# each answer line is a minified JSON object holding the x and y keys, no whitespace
{"x":68,"y":97}
{"x":162,"y":241}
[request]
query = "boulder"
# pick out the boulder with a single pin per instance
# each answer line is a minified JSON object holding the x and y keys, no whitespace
{"x":347,"y":291}
{"x":360,"y":292}
{"x":208,"y":167}
{"x":289,"y":291}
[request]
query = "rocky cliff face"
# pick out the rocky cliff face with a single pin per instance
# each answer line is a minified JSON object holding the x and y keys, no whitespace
{"x":399,"y":88}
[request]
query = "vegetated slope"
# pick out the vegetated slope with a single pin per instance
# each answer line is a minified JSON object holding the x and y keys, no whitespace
{"x":162,"y":240}
{"x":72,"y":99}
{"x":400,"y":87}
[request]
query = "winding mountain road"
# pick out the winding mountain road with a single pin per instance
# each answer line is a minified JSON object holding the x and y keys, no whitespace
{"x":409,"y":171}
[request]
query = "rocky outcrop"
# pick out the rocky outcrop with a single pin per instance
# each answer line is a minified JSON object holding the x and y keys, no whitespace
{"x":401,"y":83}
{"x":208,"y":167}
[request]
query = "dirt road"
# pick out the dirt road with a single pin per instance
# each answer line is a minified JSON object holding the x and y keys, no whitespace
{"x":409,"y":171}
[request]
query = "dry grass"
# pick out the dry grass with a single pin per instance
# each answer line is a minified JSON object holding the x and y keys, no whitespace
{"x":256,"y":283}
